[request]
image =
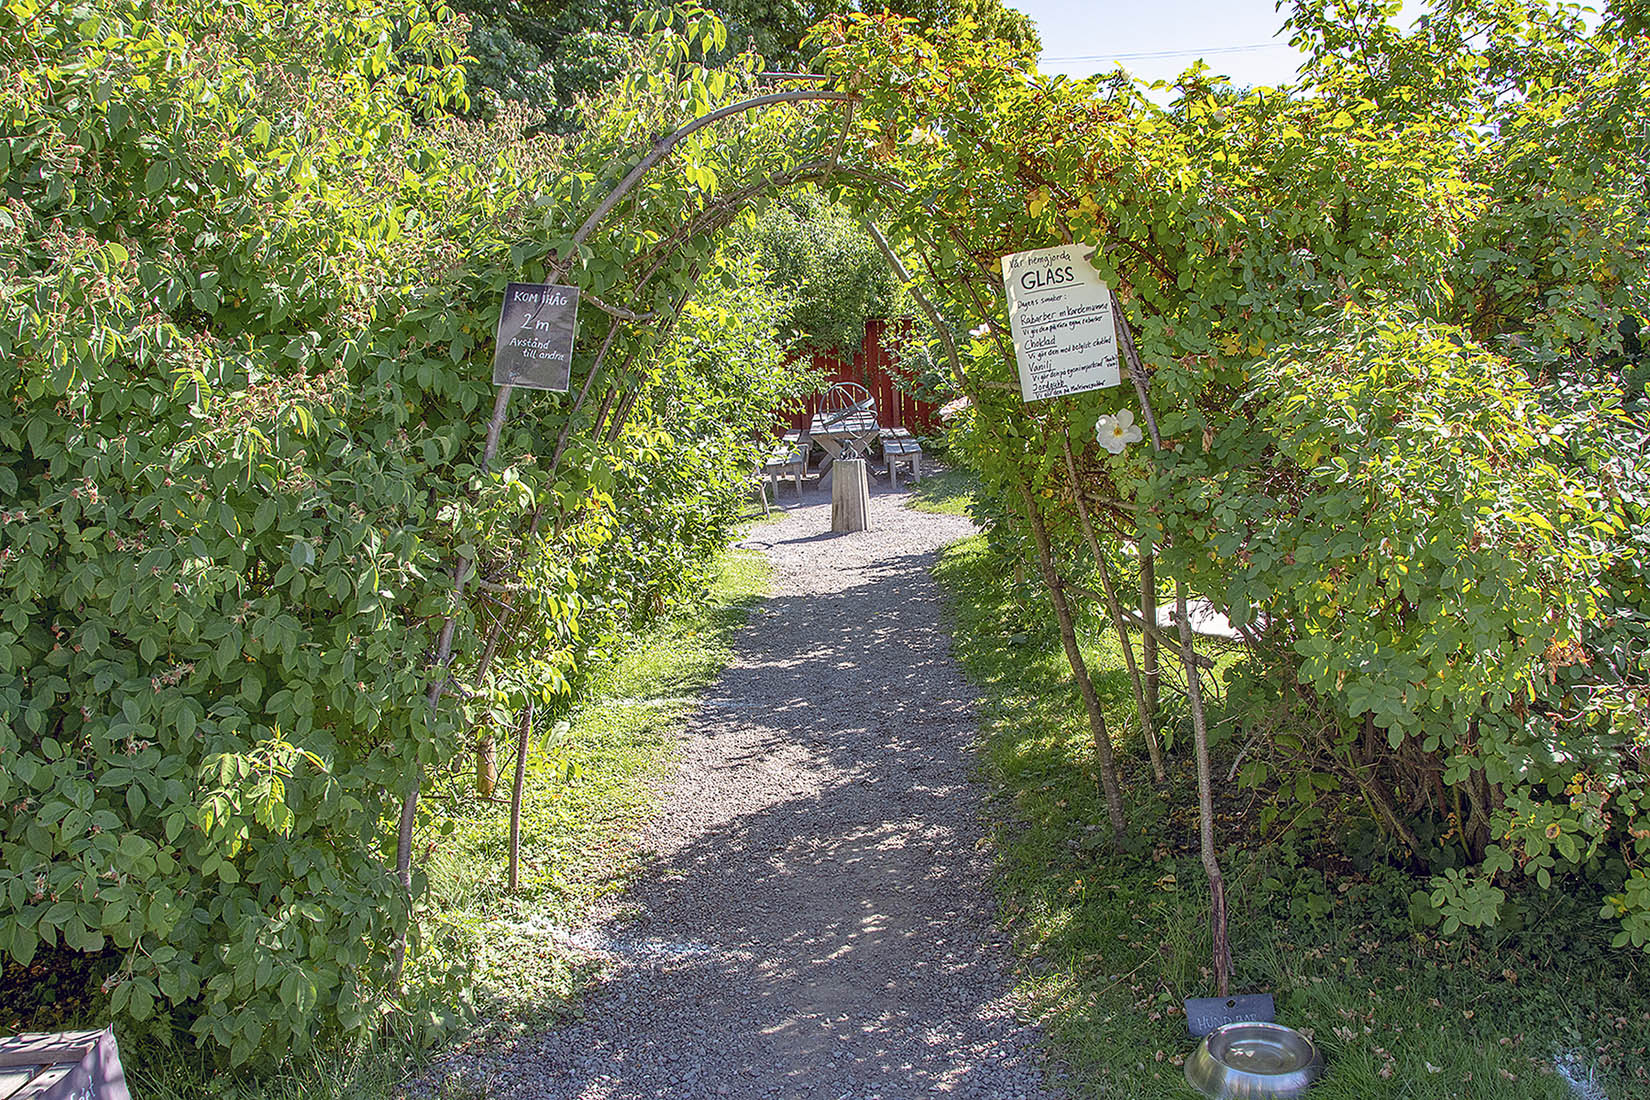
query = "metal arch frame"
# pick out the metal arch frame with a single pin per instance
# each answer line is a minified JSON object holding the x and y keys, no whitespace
{"x":708,"y":220}
{"x":461,"y":570}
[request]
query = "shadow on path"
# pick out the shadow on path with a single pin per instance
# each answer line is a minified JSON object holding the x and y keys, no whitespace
{"x":817,"y":921}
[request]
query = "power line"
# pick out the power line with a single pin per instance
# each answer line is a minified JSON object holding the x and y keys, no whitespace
{"x":1164,"y":54}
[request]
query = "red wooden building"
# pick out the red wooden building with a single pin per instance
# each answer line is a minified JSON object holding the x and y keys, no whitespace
{"x":873,"y":367}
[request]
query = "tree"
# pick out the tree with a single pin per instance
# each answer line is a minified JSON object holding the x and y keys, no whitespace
{"x":1475,"y":185}
{"x":549,"y":54}
{"x":824,"y":265}
{"x":251,"y":266}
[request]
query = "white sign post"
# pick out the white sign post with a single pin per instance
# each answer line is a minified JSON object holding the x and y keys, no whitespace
{"x":1060,"y":315}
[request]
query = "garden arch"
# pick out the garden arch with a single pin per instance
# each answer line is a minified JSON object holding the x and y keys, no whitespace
{"x":1266,"y":244}
{"x":265,"y":391}
{"x":879,"y":189}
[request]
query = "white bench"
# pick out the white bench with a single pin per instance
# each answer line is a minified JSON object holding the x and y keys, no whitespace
{"x":899,"y":447}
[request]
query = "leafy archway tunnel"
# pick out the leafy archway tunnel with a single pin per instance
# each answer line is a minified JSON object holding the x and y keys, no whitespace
{"x":1369,"y":312}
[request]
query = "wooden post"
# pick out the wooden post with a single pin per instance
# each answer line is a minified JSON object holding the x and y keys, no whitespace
{"x":1111,"y":786}
{"x":443,"y":658}
{"x":1148,"y":638}
{"x":1116,"y":611}
{"x":850,"y":495}
{"x":1194,"y":691}
{"x":515,"y":794}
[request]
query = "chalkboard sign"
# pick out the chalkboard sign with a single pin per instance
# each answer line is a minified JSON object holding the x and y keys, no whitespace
{"x":1204,"y":1014}
{"x":1060,"y":315}
{"x":534,"y":344}
{"x":67,"y":1065}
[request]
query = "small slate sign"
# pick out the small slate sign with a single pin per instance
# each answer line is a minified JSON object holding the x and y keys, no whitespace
{"x":68,"y":1065}
{"x":534,"y":345}
{"x":1204,"y":1014}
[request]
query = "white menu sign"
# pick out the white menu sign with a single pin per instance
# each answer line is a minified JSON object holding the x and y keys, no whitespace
{"x":1060,"y":315}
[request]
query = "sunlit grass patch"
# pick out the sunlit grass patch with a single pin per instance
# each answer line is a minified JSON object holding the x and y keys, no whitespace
{"x":581,"y":806}
{"x":1109,"y":945}
{"x":949,"y":492}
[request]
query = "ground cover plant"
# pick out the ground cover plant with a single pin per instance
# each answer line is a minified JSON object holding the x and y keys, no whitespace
{"x":589,"y":786}
{"x":1110,"y":944}
{"x":595,"y":781}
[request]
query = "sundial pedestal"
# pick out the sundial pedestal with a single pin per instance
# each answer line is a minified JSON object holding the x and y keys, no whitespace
{"x":850,"y":495}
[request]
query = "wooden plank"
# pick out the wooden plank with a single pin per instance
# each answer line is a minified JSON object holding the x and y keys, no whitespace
{"x":41,"y":1048}
{"x":912,"y":459}
{"x":47,"y":1081}
{"x":13,"y":1078}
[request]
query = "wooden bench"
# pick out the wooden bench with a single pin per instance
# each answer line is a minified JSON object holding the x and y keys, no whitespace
{"x":788,"y":460}
{"x":899,"y":447}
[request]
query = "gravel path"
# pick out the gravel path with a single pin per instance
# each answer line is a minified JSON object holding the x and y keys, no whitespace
{"x":818,"y":923}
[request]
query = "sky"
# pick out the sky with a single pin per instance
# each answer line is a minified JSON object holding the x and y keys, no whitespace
{"x":1158,"y":39}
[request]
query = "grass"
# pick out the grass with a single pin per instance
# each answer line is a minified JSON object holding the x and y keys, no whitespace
{"x":1110,"y":944}
{"x":580,"y":811}
{"x":949,"y":492}
{"x":495,"y":963}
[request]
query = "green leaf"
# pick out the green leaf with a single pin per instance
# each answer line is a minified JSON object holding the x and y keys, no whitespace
{"x":24,"y":941}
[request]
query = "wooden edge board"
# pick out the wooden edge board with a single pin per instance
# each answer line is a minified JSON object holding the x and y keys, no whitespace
{"x":38,"y":1048}
{"x":46,"y":1080}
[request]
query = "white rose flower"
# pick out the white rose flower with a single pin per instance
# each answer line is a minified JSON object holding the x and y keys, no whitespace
{"x":1116,"y":431}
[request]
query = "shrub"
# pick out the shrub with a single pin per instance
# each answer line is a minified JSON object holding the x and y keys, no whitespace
{"x":251,"y":268}
{"x":1443,"y":549}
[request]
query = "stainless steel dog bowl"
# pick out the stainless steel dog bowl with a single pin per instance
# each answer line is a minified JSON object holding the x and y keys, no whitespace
{"x":1254,"y":1059}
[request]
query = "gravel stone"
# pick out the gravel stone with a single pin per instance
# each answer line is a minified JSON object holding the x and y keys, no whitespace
{"x":818,"y":921}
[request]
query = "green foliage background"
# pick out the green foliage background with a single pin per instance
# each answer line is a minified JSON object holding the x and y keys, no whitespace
{"x":822,"y":263}
{"x":1384,"y":321}
{"x":547,"y":54}
{"x":252,"y":266}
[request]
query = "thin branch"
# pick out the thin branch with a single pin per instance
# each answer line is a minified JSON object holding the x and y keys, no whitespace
{"x":567,"y":428}
{"x":1105,"y":759}
{"x":1134,"y":620}
{"x":841,"y":142}
{"x":1221,"y":951}
{"x":615,"y":311}
{"x":664,"y":145}
{"x":1137,"y":370}
{"x":1116,"y":609}
{"x":917,"y":296}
